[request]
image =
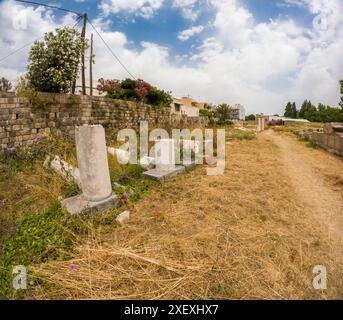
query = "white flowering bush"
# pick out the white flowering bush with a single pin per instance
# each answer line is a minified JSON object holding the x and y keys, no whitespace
{"x":5,"y":85}
{"x":54,"y":62}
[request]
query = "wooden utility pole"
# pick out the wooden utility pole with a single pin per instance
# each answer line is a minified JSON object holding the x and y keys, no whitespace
{"x":83,"y":35}
{"x":91,"y":68}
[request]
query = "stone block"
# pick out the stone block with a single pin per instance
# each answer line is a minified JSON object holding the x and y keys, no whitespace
{"x":189,"y":166}
{"x":162,"y":175}
{"x":147,"y":163}
{"x":123,"y":217}
{"x":331,"y":141}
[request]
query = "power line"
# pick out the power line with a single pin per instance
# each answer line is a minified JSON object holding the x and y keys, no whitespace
{"x":49,"y":6}
{"x":26,"y":45}
{"x":78,"y":19}
{"x":109,"y":48}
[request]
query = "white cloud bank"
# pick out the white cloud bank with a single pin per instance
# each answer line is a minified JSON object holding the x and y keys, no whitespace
{"x":261,"y":65}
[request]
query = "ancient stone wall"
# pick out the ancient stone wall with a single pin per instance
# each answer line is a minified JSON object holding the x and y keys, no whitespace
{"x":331,"y":138}
{"x":25,"y":120}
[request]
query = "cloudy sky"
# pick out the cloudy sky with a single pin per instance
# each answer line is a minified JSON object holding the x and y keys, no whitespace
{"x":260,"y":53}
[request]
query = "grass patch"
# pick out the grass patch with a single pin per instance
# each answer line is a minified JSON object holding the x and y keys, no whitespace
{"x":34,"y":229}
{"x":39,"y":237}
{"x":241,"y":136}
{"x":311,"y":145}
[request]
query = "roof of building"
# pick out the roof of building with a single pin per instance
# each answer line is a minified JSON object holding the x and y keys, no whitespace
{"x":287,"y":119}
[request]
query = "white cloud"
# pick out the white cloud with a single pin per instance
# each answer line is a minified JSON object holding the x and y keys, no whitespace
{"x":144,"y":8}
{"x":261,"y":65}
{"x":187,"y":8}
{"x":19,"y":26}
{"x":188,"y":33}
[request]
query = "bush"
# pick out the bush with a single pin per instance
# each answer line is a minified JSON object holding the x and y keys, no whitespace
{"x":251,"y":117}
{"x":134,"y":90}
{"x":54,"y":62}
{"x":5,"y":85}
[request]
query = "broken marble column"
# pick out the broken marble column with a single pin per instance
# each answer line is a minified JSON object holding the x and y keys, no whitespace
{"x":64,"y":169}
{"x":94,"y":173}
{"x":122,"y":155}
{"x":165,"y":154}
{"x":259,"y":124}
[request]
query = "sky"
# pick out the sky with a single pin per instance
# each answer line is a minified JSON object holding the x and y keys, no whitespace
{"x":259,"y":53}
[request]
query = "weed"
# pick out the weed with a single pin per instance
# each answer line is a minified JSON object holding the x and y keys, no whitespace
{"x":240,"y":136}
{"x":39,"y":237}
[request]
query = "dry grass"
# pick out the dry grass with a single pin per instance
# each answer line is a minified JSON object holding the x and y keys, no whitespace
{"x":242,"y":235}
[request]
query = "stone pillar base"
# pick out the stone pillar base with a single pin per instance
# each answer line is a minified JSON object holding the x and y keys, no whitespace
{"x":79,"y":204}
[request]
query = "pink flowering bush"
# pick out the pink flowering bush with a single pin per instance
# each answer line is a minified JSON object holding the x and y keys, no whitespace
{"x":134,"y":90}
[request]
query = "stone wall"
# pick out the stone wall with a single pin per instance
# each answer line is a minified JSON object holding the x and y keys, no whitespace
{"x":25,"y":120}
{"x":331,"y":138}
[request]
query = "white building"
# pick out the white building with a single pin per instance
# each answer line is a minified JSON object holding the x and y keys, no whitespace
{"x":239,"y":112}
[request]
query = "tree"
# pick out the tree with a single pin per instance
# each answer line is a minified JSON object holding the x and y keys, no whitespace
{"x":288,"y":110}
{"x":5,"y":85}
{"x":294,"y":111}
{"x":250,"y":117}
{"x":311,"y":113}
{"x":54,"y":62}
{"x":305,"y":107}
{"x":224,"y":113}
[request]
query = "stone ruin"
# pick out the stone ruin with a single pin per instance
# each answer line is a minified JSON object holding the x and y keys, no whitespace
{"x":330,"y":138}
{"x":95,"y":179}
{"x":92,"y":174}
{"x":261,"y":123}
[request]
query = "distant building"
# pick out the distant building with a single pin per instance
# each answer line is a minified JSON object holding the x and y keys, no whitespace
{"x":186,"y":106}
{"x":285,"y":121}
{"x":238,"y":112}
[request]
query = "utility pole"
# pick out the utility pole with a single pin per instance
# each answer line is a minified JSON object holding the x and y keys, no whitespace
{"x":83,"y":35}
{"x":91,"y":68}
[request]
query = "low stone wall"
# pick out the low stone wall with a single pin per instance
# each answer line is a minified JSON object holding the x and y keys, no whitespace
{"x":331,"y":138}
{"x":25,"y":120}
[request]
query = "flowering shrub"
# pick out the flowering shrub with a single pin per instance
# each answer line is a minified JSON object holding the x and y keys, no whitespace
{"x":142,"y":90}
{"x":54,"y":63}
{"x":5,"y":85}
{"x":134,"y":90}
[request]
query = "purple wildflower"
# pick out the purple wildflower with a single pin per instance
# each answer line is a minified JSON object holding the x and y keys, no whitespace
{"x":34,"y":260}
{"x":124,"y":198}
{"x":73,"y":267}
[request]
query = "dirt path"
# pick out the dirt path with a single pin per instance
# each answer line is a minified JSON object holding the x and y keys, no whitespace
{"x":317,"y":177}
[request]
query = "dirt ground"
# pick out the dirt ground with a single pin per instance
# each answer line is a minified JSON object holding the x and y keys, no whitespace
{"x":255,"y":232}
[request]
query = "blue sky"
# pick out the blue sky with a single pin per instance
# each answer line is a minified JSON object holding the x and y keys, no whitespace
{"x":260,"y":53}
{"x":164,"y":26}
